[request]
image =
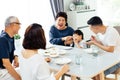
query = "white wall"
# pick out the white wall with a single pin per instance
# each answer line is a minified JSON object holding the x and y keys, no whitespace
{"x":109,"y":11}
{"x":28,"y":11}
{"x":91,"y":3}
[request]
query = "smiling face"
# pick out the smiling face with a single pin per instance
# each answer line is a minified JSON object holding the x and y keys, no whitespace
{"x":15,"y":26}
{"x":77,"y":37}
{"x":95,"y":29}
{"x":60,"y":23}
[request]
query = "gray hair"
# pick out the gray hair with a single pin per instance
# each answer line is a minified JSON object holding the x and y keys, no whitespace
{"x":10,"y":19}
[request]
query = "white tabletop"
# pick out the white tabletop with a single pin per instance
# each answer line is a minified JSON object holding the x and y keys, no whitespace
{"x":90,"y":65}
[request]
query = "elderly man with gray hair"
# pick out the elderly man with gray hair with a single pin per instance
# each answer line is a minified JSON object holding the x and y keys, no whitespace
{"x":7,"y":57}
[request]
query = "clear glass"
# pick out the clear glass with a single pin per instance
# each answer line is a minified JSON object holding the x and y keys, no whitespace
{"x":95,"y":50}
{"x":78,"y":59}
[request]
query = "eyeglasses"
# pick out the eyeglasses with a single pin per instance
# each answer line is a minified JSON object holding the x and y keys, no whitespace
{"x":16,"y":23}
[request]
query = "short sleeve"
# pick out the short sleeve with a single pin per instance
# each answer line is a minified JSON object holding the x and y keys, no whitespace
{"x":4,"y":48}
{"x":112,"y":38}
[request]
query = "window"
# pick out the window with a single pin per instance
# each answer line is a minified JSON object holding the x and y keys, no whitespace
{"x":28,"y":12}
{"x":109,"y":11}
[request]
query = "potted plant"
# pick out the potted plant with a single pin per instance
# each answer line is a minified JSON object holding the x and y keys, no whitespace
{"x":17,"y":40}
{"x":17,"y":36}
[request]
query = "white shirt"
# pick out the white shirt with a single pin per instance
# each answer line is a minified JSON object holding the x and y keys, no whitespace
{"x":82,"y":44}
{"x":110,"y":38}
{"x":35,"y":68}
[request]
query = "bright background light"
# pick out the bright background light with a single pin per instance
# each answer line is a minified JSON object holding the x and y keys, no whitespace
{"x":28,"y":12}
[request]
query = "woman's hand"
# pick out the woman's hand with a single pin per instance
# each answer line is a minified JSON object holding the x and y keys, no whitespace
{"x":47,"y":59}
{"x":68,"y":40}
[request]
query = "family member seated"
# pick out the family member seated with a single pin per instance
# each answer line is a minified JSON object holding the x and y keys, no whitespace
{"x":109,"y":39}
{"x":61,"y":33}
{"x":78,"y":39}
{"x":8,"y":60}
{"x":32,"y":64}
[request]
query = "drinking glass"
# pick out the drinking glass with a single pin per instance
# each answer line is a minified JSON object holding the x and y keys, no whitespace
{"x":78,"y":59}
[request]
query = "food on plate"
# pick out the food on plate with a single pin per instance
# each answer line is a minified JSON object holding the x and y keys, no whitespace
{"x":47,"y":59}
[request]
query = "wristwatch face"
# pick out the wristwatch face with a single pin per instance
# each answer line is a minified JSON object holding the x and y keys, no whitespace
{"x":72,"y":6}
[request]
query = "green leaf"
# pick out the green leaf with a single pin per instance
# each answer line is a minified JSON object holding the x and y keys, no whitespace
{"x":17,"y":36}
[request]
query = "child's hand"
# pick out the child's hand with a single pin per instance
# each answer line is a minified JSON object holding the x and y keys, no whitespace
{"x":75,"y":40}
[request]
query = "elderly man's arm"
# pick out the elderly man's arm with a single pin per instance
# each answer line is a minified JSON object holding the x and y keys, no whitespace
{"x":10,"y":69}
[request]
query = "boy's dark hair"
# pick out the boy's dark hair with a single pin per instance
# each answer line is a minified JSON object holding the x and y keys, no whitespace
{"x":79,"y":32}
{"x":95,"y":21}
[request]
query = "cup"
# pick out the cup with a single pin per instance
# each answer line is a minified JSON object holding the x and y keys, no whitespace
{"x":95,"y":51}
{"x":78,"y":59}
{"x":88,"y":46}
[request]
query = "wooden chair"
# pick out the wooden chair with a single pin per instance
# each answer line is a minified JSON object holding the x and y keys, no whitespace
{"x":117,"y":28}
{"x":116,"y":73}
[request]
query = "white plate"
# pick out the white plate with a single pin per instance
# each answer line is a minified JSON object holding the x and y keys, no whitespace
{"x":67,"y":48}
{"x":88,"y":50}
{"x":62,"y":60}
{"x":46,"y":53}
{"x":54,"y":55}
{"x":62,"y":52}
{"x":91,"y":50}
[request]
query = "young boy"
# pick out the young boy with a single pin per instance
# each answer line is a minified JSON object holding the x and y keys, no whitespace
{"x":78,"y":39}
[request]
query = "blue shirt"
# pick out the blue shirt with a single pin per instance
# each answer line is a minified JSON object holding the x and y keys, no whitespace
{"x":6,"y":48}
{"x":56,"y":35}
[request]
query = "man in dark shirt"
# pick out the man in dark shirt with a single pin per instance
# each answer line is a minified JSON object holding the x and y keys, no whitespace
{"x":7,"y":71}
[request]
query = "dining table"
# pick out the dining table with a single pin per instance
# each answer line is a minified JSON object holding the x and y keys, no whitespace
{"x":84,"y":63}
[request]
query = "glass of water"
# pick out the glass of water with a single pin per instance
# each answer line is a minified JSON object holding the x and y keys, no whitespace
{"x":78,"y":59}
{"x":95,"y":51}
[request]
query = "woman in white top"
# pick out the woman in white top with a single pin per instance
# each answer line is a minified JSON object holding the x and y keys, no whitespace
{"x":32,"y":65}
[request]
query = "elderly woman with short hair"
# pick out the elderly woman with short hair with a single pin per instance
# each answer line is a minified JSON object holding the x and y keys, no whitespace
{"x":61,"y":33}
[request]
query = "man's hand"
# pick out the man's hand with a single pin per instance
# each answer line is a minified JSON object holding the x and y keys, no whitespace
{"x":91,"y":42}
{"x":16,"y":63}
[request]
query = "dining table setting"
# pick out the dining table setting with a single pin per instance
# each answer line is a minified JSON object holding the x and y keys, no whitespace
{"x":84,"y":63}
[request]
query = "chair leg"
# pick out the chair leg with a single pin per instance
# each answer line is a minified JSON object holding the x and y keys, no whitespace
{"x":116,"y":76}
{"x":63,"y":77}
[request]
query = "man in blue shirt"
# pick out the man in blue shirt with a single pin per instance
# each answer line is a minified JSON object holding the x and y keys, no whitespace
{"x":7,"y":71}
{"x":61,"y":33}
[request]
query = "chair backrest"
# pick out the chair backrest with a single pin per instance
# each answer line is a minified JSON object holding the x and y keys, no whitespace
{"x":117,"y":28}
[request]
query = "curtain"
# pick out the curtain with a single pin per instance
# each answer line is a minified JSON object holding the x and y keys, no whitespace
{"x":56,"y":6}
